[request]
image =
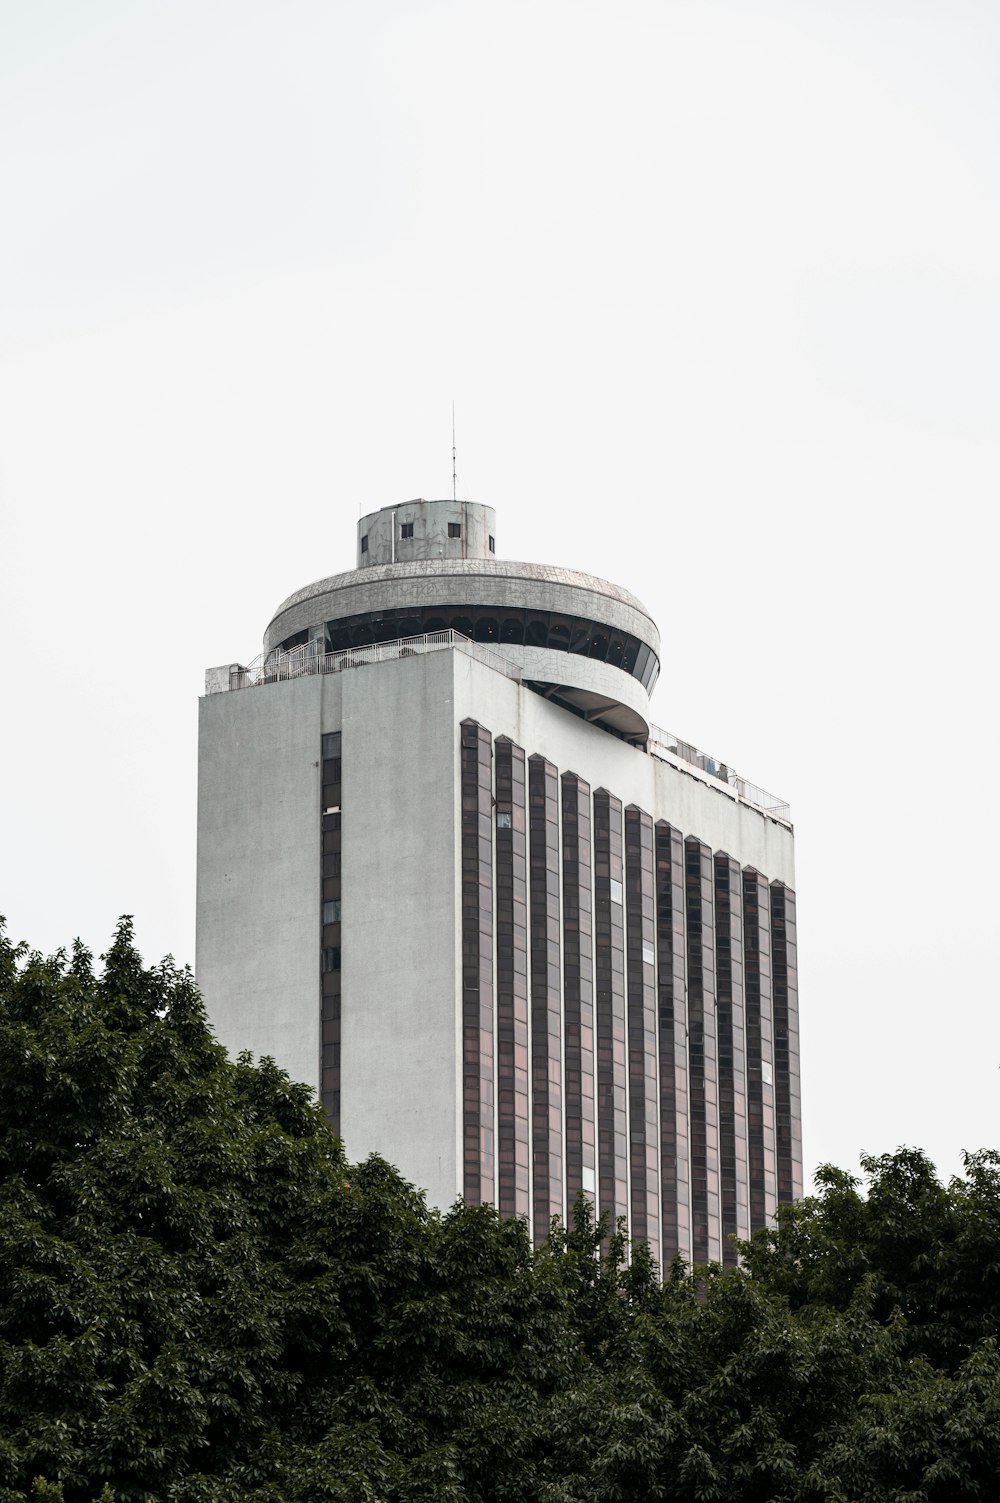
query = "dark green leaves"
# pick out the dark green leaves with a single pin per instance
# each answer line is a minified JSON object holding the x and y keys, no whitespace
{"x":200,"y":1302}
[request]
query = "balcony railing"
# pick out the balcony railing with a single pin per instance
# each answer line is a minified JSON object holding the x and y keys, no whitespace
{"x":273,"y":667}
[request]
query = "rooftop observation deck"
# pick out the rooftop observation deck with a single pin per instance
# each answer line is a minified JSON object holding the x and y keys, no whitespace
{"x":275,"y":666}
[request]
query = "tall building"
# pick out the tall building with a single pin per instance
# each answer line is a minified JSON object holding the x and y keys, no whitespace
{"x":522,"y":942}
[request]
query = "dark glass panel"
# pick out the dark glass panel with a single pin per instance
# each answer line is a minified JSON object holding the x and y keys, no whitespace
{"x":642,"y":658}
{"x":580,"y":637}
{"x":560,"y":632}
{"x":600,"y":636}
{"x":491,"y":623}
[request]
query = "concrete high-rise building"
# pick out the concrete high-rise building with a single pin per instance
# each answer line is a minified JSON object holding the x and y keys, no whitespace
{"x":522,"y":942}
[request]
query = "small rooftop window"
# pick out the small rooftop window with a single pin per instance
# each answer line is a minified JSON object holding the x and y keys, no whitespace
{"x":454,"y":529}
{"x":364,"y":543}
{"x":493,"y":546}
{"x":406,"y":531}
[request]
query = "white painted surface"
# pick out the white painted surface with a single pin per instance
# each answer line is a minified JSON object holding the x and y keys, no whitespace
{"x":401,"y":1012}
{"x":431,"y":522}
{"x":257,"y":942}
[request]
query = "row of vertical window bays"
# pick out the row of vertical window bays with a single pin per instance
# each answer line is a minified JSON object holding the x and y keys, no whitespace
{"x":603,"y":998}
{"x":492,"y":624}
{"x":755,"y":940}
{"x":615,"y":888}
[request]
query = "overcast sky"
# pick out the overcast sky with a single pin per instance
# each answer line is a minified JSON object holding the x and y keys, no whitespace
{"x":716,"y":290}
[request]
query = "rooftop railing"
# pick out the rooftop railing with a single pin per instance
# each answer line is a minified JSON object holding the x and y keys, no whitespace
{"x":273,"y":667}
{"x":661,"y":741}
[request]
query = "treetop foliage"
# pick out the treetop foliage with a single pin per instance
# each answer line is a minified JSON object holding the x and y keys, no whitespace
{"x":202,"y":1302}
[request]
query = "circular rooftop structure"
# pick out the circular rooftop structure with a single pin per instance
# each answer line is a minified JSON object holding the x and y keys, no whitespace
{"x":428,"y":566}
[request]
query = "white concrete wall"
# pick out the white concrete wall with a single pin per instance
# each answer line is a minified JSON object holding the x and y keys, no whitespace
{"x":401,"y":1018}
{"x":257,"y":944}
{"x":430,"y":540}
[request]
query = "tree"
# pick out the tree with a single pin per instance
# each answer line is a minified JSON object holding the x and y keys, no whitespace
{"x":198,"y":1298}
{"x":929,"y":1251}
{"x":202,"y":1302}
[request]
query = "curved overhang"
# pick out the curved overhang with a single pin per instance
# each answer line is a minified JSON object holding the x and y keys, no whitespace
{"x":462,"y":582}
{"x":610,"y":714}
{"x":401,"y":600}
{"x":601,"y":693}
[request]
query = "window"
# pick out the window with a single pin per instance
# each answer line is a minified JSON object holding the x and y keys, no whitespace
{"x":503,"y":819}
{"x":616,"y":891}
{"x":364,"y":543}
{"x":331,"y":958}
{"x":549,"y":629}
{"x":406,"y":531}
{"x":765,"y":1072}
{"x":331,"y":744}
{"x":493,"y":546}
{"x":331,"y":912}
{"x":454,"y":529}
{"x":648,"y":953}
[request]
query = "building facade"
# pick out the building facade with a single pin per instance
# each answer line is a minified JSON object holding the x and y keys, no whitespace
{"x":523,"y":943}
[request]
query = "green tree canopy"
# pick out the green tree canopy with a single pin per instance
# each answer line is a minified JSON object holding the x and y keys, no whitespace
{"x":202,"y":1302}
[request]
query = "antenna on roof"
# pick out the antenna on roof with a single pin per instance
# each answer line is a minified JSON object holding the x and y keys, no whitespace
{"x":454,"y":472}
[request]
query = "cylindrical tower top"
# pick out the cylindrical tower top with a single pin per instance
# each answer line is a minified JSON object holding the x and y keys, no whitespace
{"x":423,"y":530}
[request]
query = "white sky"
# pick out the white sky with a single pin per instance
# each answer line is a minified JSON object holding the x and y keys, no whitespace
{"x":716,"y":289}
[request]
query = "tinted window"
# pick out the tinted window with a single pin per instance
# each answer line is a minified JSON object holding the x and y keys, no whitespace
{"x":497,"y":624}
{"x":599,"y":642}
